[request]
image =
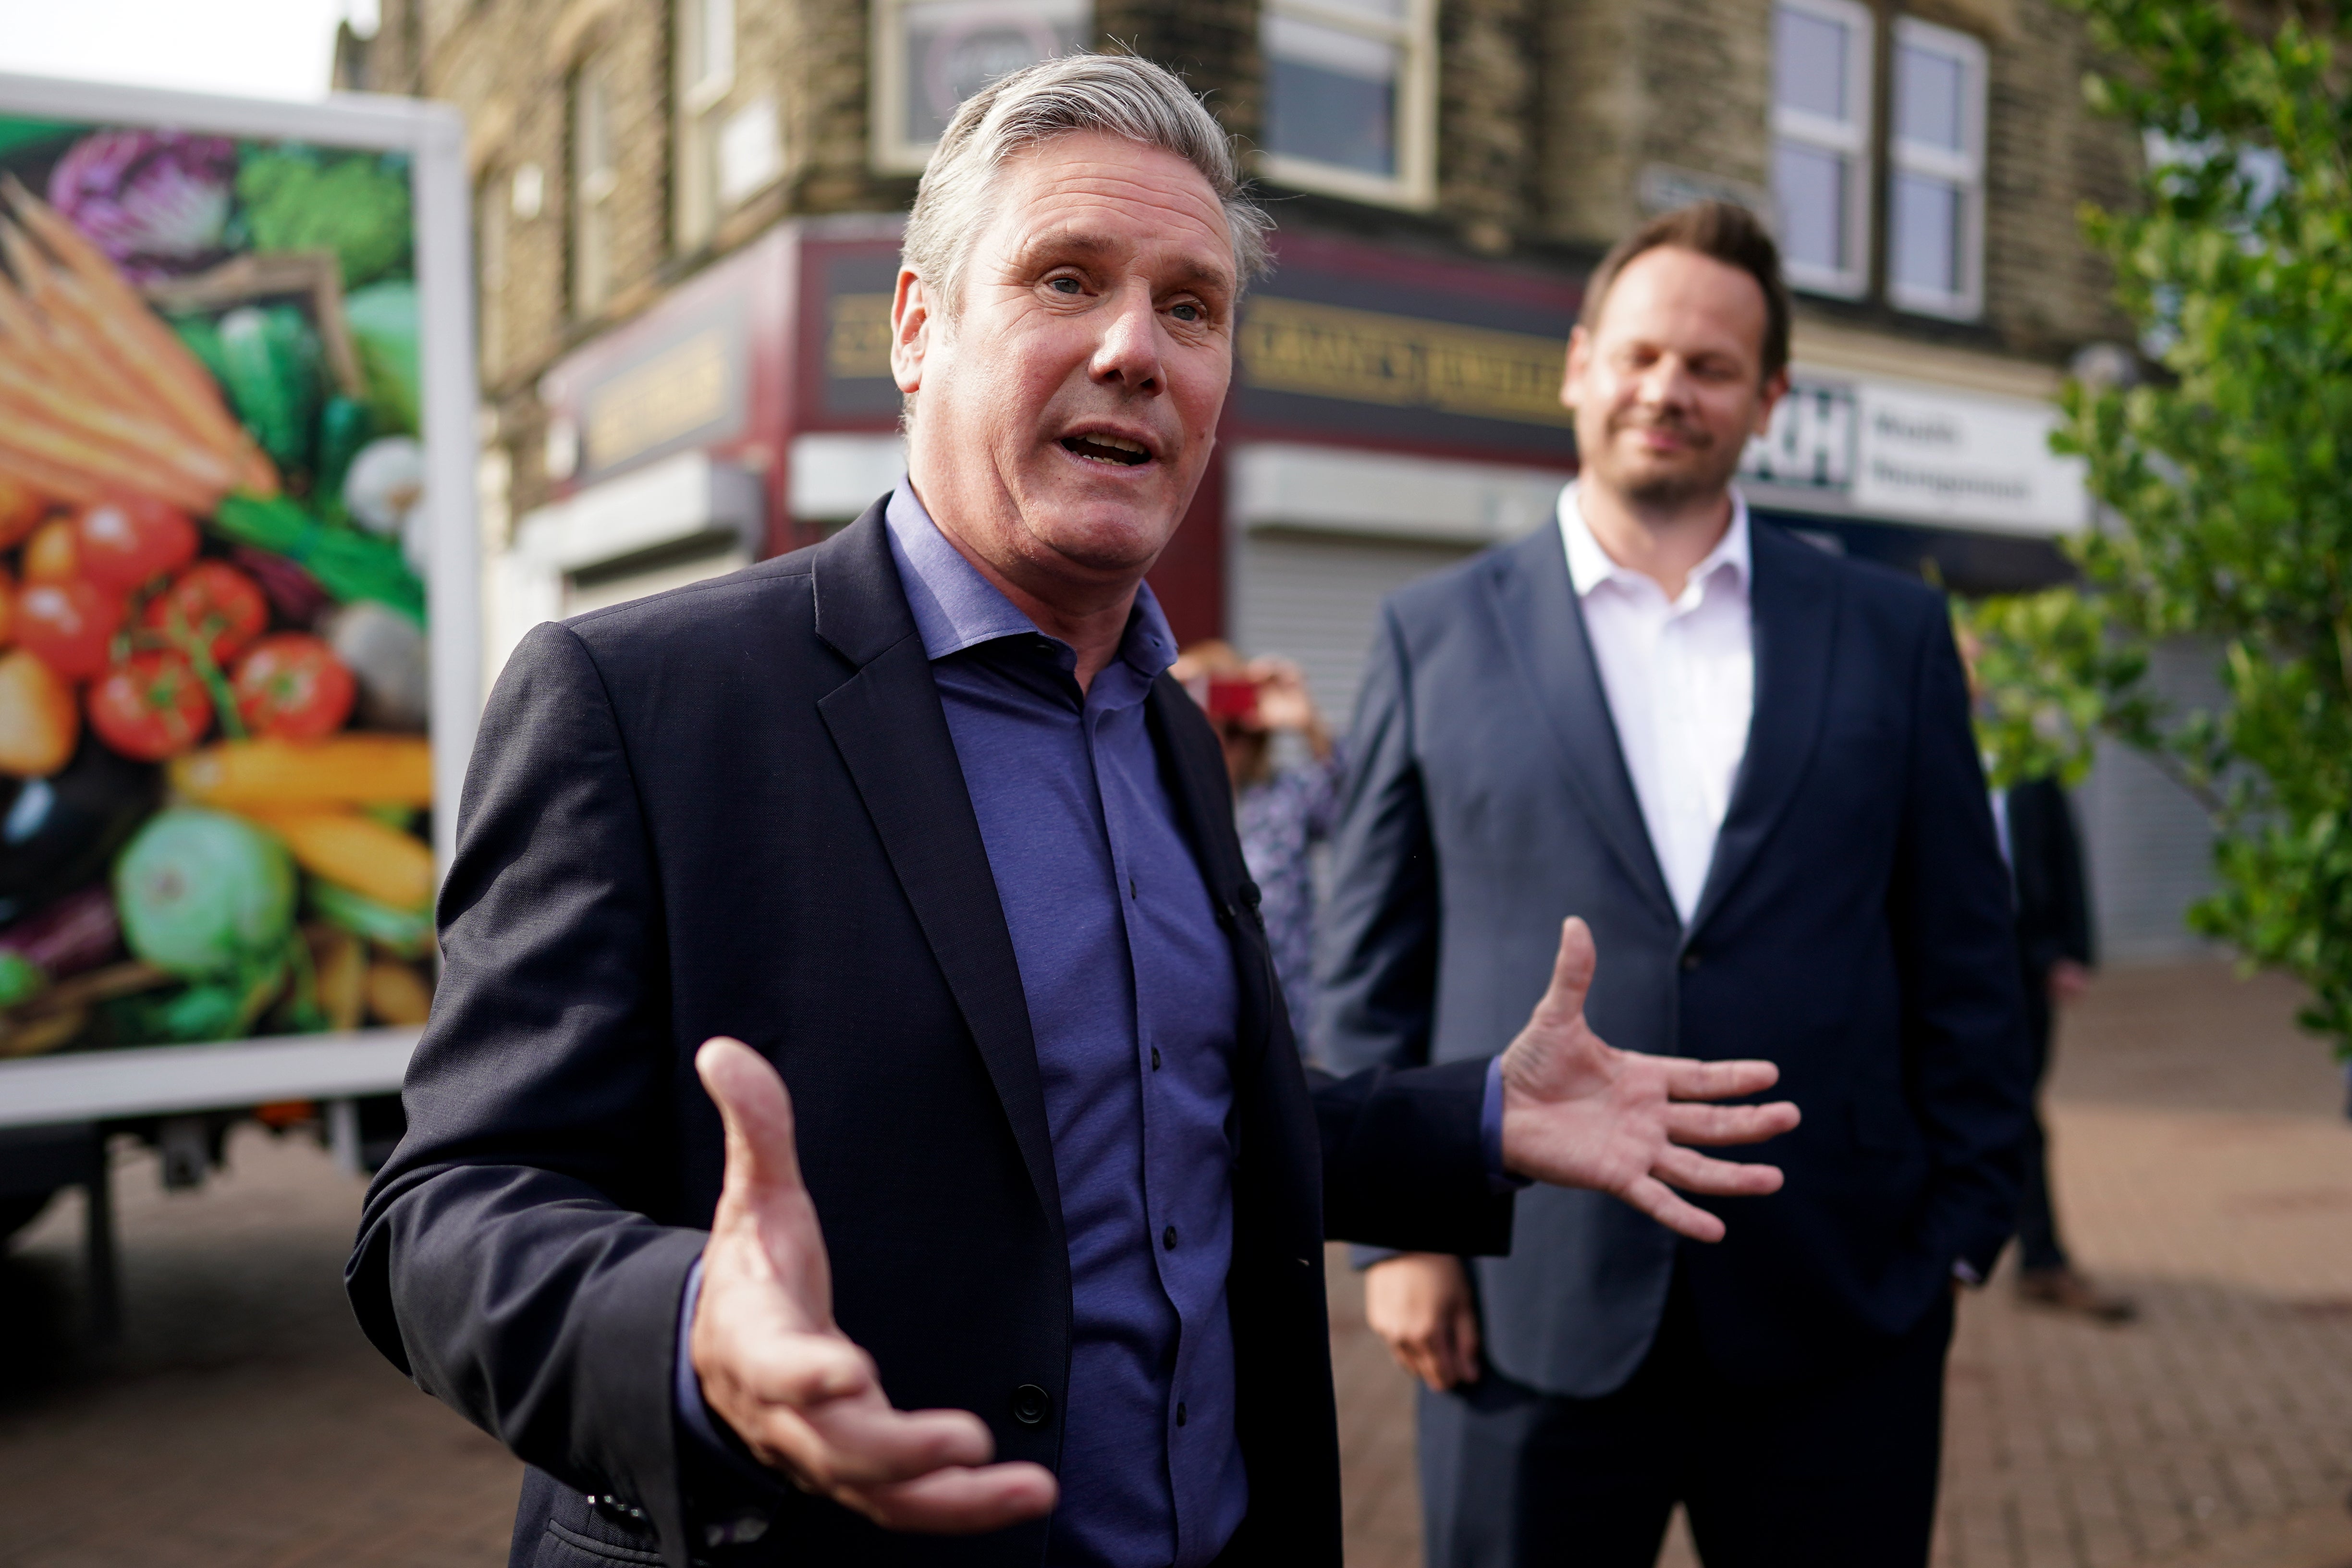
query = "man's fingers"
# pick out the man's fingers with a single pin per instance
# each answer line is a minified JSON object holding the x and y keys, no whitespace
{"x":1464,"y":1342}
{"x":1572,"y":970}
{"x":961,"y":1502}
{"x":804,"y":1371}
{"x":757,"y":1109}
{"x":864,"y":1443}
{"x":1657,"y":1200}
{"x":1718,"y":1080}
{"x":1697,"y":1173}
{"x":1710,"y":1126}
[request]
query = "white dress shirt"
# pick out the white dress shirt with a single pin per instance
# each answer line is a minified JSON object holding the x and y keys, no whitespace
{"x":1680,"y":676}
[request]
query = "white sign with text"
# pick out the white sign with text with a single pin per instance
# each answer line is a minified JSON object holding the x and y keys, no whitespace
{"x":1919,"y":453}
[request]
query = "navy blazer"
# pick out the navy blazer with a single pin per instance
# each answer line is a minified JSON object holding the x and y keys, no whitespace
{"x":735,"y":809}
{"x":1854,"y":928}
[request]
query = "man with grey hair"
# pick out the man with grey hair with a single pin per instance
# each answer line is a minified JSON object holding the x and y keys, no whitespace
{"x":919,"y":816}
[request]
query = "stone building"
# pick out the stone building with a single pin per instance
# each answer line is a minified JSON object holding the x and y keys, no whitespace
{"x":686,"y":215}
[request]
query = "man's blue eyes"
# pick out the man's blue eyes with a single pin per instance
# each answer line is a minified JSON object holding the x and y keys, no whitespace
{"x":1067,"y":287}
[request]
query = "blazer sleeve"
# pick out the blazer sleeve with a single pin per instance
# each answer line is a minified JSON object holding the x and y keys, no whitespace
{"x":1963,"y":1010}
{"x":506,"y":1259}
{"x":1377,"y":958}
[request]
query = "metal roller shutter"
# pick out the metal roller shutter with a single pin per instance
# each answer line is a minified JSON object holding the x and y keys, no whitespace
{"x":1314,"y":596}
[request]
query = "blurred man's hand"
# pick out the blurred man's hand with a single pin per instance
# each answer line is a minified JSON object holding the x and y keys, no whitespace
{"x":1577,"y":1112}
{"x":2068,"y":981}
{"x":1419,"y":1303}
{"x":776,"y":1369}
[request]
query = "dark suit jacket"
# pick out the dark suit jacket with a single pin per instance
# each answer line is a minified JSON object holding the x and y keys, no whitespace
{"x":1854,"y":928}
{"x":2045,"y":857}
{"x":735,"y":809}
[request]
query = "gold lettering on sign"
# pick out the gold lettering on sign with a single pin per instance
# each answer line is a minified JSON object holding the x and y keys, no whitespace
{"x":677,"y":390}
{"x":1404,"y":362}
{"x":857,"y":336}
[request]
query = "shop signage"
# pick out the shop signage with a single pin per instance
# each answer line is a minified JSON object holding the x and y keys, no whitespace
{"x":1373,"y":345}
{"x":688,"y":392}
{"x":1401,"y":362}
{"x":1859,"y":445}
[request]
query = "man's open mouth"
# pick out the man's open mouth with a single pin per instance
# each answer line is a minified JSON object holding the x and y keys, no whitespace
{"x":1107,"y":449}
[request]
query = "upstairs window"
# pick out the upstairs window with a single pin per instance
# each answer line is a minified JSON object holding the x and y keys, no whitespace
{"x":706,"y":74}
{"x":931,"y":55}
{"x":1820,"y":143}
{"x":1934,"y":219}
{"x":595,"y":180}
{"x":1351,"y":89}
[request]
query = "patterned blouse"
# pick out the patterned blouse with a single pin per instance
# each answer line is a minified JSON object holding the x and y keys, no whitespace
{"x":1281,"y":821}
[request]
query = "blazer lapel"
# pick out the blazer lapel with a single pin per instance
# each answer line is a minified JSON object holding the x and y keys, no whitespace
{"x":1543,"y":625}
{"x":893,"y":735}
{"x":1205,"y":803}
{"x":1793,"y":609}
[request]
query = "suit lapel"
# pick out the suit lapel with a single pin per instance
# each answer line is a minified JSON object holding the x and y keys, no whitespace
{"x":893,"y":735}
{"x":1195,"y":769}
{"x":1543,"y":625}
{"x":1793,"y":609}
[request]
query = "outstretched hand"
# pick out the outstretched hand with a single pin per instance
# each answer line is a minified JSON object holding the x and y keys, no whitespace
{"x":1577,"y":1112}
{"x":775,"y":1367}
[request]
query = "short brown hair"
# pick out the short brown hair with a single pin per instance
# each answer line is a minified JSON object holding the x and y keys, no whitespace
{"x":1721,"y":231}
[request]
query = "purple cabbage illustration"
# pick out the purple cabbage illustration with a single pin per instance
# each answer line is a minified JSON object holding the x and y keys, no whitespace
{"x":155,"y":201}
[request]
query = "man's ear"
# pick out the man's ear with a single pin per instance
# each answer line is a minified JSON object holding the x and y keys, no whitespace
{"x":1776,"y":387}
{"x":911,"y":330}
{"x":1579,"y":356}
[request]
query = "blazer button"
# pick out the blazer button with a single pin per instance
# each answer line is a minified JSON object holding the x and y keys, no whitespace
{"x":1168,"y":1238}
{"x":1690,"y":960}
{"x":1030,"y":1403}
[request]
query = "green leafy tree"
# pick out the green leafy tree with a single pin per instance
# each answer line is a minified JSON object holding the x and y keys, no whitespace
{"x":2227,"y":475}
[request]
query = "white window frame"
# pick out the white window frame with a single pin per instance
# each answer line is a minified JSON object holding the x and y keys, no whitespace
{"x":889,"y":151}
{"x":1847,"y":140}
{"x":593,"y":190}
{"x":706,"y":75}
{"x":1414,"y":37}
{"x":1965,"y":169}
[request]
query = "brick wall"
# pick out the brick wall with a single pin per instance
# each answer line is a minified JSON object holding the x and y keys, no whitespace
{"x":1549,"y":111}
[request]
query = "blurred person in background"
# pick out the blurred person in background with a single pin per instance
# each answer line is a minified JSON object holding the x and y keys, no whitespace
{"x":1285,"y":771}
{"x":2055,"y":957}
{"x":1749,"y":765}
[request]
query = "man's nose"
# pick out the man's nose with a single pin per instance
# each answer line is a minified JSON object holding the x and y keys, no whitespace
{"x":1667,"y":383}
{"x":1129,"y":351}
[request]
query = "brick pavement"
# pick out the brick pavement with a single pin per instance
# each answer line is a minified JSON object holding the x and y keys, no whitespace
{"x":243,"y":1423}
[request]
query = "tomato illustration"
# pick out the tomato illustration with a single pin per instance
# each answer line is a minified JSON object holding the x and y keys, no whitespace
{"x":293,"y":687}
{"x":68,"y":626}
{"x":126,"y":542}
{"x":215,"y":603}
{"x":150,"y":706}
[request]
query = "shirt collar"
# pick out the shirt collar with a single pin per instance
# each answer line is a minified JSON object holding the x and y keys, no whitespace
{"x":1589,"y":565}
{"x":955,"y":607}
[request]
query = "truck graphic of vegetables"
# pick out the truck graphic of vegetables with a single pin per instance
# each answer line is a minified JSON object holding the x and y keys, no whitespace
{"x":214,"y":784}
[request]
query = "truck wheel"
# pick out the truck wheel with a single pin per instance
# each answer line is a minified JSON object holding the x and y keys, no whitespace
{"x":18,"y":1210}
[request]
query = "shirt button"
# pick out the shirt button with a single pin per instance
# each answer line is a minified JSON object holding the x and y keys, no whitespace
{"x":1180,"y":1413}
{"x":1690,"y":960}
{"x":1030,"y":1403}
{"x":1168,"y":1238}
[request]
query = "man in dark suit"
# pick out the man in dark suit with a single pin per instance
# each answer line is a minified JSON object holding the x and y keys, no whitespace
{"x":919,"y":815}
{"x":2054,"y":956}
{"x":1748,"y":765}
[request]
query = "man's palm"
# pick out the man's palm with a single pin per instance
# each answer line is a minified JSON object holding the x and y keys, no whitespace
{"x":1580,"y":1113}
{"x":777,"y":1370}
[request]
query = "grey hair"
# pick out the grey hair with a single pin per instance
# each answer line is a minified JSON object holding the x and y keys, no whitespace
{"x":1115,"y":95}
